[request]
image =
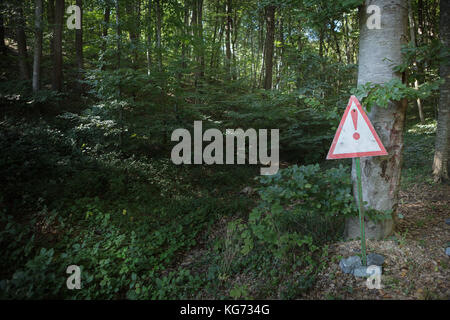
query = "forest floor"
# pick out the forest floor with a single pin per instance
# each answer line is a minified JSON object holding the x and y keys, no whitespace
{"x":416,"y":266}
{"x":189,"y":211}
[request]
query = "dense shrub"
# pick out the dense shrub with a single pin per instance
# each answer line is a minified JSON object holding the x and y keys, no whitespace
{"x":305,"y":200}
{"x":301,"y":210}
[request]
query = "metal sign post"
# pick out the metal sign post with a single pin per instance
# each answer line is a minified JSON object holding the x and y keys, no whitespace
{"x":361,"y":212}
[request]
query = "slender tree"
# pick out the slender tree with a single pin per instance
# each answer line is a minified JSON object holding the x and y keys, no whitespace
{"x":2,"y":35}
{"x":106,"y":19}
{"x":412,"y":38}
{"x":57,"y":81}
{"x":234,"y":44}
{"x":22,"y":46}
{"x":119,"y":35}
{"x":37,"y":45}
{"x":133,"y":10}
{"x":149,"y":36}
{"x":228,"y":37}
{"x":379,"y":49}
{"x":79,"y":40}
{"x":158,"y":33}
{"x":201,"y":56}
{"x":299,"y":50}
{"x":79,"y":46}
{"x":269,"y":45}
{"x":442,"y":148}
{"x":119,"y":88}
{"x":216,"y":27}
{"x":51,"y":26}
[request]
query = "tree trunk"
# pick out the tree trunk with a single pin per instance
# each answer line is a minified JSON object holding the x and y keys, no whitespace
{"x":299,"y":49}
{"x":22,"y":47}
{"x":228,"y":39}
{"x":2,"y":36}
{"x":347,"y":41}
{"x":149,"y":37}
{"x":200,"y":34}
{"x":336,"y":40}
{"x":119,"y":37}
{"x":441,"y":153}
{"x":235,"y":32}
{"x":261,"y":50}
{"x":106,"y":17}
{"x":37,"y":46}
{"x":119,"y":87}
{"x":158,"y":33}
{"x":213,"y":42}
{"x":280,"y":53}
{"x":79,"y":40}
{"x":412,"y":33}
{"x":270,"y":34}
{"x":220,"y":42}
{"x":133,"y":10}
{"x":321,"y":43}
{"x":57,"y":82}
{"x":421,"y":23}
{"x":379,"y":50}
{"x":51,"y":26}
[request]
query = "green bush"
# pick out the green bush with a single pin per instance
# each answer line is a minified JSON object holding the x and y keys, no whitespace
{"x":301,"y":210}
{"x":303,"y":201}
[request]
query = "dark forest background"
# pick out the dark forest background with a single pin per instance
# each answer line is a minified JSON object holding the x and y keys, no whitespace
{"x":86,"y":119}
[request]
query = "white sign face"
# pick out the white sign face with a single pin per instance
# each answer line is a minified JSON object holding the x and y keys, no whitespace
{"x":355,"y":136}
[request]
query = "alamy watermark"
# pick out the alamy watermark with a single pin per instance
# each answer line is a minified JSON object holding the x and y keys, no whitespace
{"x":374,"y":20}
{"x":74,"y":280}
{"x":213,"y":153}
{"x":374,"y":280}
{"x":74,"y":20}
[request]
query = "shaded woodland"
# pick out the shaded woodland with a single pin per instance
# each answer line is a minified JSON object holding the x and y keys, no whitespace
{"x":87,"y":114}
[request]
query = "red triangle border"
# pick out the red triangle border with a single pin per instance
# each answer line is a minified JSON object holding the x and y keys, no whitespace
{"x":382,"y":152}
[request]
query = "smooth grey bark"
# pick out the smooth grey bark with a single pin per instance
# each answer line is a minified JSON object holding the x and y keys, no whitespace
{"x":441,"y":153}
{"x":37,"y":45}
{"x":379,"y":51}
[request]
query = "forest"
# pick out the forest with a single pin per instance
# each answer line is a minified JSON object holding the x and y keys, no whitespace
{"x":96,"y":94}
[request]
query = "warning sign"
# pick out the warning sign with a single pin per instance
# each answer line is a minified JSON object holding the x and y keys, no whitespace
{"x":355,"y":136}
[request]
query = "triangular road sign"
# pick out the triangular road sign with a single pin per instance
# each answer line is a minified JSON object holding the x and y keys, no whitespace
{"x":355,"y":136}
